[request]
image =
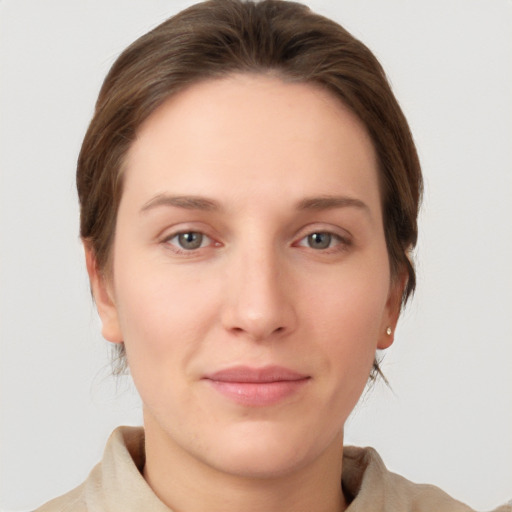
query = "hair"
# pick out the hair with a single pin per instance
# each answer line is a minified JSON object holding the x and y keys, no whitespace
{"x":218,"y":38}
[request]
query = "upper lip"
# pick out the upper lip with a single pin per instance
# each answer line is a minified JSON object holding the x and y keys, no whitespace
{"x":255,"y":375}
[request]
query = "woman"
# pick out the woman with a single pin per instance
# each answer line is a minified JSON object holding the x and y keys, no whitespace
{"x":249,"y":191}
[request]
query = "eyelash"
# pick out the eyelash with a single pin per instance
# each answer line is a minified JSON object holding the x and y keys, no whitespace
{"x":340,"y":243}
{"x":336,"y":243}
{"x":189,"y":252}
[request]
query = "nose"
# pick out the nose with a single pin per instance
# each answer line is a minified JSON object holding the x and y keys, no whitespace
{"x":258,"y":301}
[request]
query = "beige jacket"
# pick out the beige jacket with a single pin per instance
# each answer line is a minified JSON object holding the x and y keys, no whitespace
{"x":116,"y":484}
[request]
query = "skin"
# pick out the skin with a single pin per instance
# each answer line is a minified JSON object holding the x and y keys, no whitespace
{"x":258,"y":291}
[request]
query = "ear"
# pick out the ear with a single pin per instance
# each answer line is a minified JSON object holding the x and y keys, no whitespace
{"x":101,"y":290}
{"x":392,"y":311}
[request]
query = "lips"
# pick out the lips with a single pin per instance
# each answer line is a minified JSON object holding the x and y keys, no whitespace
{"x":257,"y":386}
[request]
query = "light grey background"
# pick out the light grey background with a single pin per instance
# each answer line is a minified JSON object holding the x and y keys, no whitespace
{"x":448,"y":420}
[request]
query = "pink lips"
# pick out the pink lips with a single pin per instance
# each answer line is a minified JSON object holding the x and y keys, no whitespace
{"x":257,"y":386}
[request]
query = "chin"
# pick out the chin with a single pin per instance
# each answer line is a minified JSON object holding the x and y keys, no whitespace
{"x":265,"y":450}
{"x":255,"y":462}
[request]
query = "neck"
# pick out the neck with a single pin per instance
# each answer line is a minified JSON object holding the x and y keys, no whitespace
{"x":184,"y":483}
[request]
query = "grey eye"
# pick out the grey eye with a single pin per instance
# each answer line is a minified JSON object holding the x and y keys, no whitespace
{"x":190,"y":241}
{"x":319,"y":240}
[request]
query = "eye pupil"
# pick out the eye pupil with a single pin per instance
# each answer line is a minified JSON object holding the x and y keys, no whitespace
{"x":319,"y":240}
{"x":191,"y":240}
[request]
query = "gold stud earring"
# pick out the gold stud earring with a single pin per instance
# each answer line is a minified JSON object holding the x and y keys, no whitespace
{"x":389,"y":331}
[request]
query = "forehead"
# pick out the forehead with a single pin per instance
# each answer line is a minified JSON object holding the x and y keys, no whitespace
{"x":253,"y":134}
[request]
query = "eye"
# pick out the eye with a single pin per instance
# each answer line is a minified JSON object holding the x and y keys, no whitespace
{"x":321,"y":240}
{"x":189,"y":240}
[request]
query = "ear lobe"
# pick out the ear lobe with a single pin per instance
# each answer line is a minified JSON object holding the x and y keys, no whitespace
{"x":105,"y":305}
{"x":393,"y":307}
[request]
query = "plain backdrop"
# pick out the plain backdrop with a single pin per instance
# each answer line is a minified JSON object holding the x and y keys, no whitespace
{"x":448,"y":418}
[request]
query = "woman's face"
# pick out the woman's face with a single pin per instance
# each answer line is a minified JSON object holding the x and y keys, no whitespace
{"x":250,"y":280}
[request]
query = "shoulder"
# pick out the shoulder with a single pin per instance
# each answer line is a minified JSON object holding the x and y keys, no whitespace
{"x":373,"y":487}
{"x":112,"y":481}
{"x":73,"y":501}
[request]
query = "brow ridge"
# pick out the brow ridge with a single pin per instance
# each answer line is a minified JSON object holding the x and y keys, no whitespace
{"x":328,"y":202}
{"x":201,"y":203}
{"x":186,"y":202}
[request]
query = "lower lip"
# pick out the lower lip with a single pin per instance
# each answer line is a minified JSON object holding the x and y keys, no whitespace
{"x":258,"y":394}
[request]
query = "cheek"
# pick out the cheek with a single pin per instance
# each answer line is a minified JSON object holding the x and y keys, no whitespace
{"x":163,"y":315}
{"x":346,"y":321}
{"x":350,"y":302}
{"x":162,"y":336}
{"x":157,"y":311}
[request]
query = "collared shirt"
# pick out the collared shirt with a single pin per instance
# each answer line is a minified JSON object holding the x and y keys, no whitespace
{"x":116,"y":484}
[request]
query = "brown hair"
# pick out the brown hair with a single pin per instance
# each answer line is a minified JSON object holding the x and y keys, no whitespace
{"x":221,"y":37}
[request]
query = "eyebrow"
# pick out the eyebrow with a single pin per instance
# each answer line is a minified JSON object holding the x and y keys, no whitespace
{"x":330,"y":202}
{"x":186,"y":202}
{"x":210,"y":205}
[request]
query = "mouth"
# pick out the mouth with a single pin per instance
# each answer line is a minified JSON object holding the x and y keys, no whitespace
{"x":257,"y":387}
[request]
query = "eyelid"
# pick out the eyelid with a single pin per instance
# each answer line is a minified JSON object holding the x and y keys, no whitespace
{"x":334,"y":230}
{"x":206,"y":238}
{"x":171,"y":230}
{"x":170,"y":234}
{"x":344,"y":238}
